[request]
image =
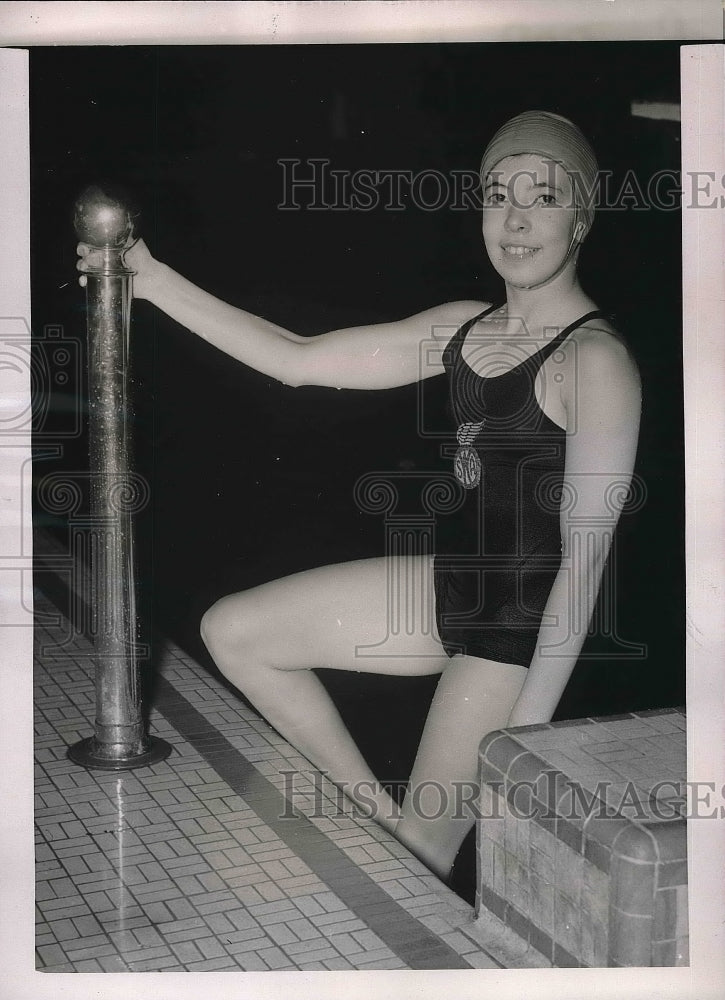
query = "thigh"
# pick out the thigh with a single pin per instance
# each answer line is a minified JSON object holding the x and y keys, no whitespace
{"x":370,"y":615}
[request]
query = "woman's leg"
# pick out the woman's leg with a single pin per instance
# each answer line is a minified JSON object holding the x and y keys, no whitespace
{"x":267,"y":640}
{"x":473,"y":697}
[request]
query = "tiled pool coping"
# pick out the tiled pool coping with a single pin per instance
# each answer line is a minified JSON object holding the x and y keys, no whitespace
{"x":584,"y":850}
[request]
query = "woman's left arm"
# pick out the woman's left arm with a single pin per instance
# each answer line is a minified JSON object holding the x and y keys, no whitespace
{"x":601,"y":393}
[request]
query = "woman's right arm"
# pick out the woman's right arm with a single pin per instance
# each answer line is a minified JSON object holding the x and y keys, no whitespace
{"x":379,"y":356}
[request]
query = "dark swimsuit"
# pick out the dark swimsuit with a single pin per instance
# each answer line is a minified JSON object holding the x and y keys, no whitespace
{"x":499,"y":553}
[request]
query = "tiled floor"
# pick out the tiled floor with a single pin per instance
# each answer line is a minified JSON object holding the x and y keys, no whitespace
{"x":214,"y":859}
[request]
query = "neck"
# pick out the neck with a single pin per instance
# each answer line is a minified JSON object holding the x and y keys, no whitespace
{"x":554,"y":304}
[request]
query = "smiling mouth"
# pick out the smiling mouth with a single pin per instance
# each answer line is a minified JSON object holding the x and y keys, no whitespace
{"x":518,"y":251}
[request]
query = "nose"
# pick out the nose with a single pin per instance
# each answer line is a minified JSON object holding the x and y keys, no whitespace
{"x":516,"y":219}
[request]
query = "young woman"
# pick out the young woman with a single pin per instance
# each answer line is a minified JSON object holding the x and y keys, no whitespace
{"x":546,"y":400}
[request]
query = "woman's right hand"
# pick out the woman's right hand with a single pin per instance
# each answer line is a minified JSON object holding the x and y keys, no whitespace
{"x":137,"y":257}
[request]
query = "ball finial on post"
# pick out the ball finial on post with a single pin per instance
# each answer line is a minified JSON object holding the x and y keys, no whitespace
{"x":102,"y":220}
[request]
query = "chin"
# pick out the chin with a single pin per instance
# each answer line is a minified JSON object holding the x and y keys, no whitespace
{"x":521,"y":278}
{"x":529,"y":273}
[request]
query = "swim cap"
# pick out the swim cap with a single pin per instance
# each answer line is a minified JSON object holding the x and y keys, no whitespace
{"x":555,"y":138}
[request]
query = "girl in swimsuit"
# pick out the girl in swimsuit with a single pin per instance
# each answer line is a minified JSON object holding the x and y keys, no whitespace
{"x":546,"y":403}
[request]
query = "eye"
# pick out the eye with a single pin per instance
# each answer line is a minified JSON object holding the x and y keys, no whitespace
{"x":547,"y":199}
{"x":495,"y":198}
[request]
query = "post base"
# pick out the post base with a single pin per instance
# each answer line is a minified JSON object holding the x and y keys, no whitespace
{"x":94,"y":756}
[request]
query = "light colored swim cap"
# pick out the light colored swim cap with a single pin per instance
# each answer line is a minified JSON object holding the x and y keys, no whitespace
{"x":555,"y":138}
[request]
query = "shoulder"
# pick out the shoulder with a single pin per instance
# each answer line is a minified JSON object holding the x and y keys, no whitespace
{"x":601,"y":386}
{"x":445,"y":319}
{"x":464,"y":308}
{"x":598,"y":348}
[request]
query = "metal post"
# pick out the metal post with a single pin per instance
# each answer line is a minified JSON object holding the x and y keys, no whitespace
{"x":120,"y":742}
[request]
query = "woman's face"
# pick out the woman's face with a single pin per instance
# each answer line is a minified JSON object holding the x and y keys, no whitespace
{"x":528,"y":218}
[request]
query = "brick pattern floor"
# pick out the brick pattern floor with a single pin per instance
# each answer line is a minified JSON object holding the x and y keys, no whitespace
{"x":214,"y":859}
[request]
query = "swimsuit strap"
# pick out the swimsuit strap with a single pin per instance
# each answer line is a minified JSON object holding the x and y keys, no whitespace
{"x":549,"y":348}
{"x":456,"y":341}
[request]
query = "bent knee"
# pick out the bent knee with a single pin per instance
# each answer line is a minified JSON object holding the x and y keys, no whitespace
{"x":228,"y":626}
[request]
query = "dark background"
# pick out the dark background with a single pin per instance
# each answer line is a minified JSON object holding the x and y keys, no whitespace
{"x":252,"y":480}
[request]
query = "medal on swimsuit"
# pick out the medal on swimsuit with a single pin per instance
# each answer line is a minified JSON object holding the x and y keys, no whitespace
{"x":467,"y":464}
